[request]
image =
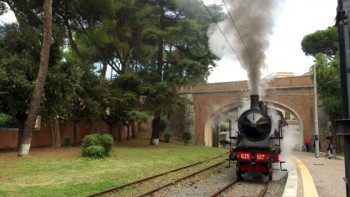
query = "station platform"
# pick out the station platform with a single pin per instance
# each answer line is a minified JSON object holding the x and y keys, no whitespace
{"x":314,"y":177}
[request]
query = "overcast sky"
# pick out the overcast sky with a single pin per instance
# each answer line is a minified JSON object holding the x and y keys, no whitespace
{"x":294,"y":20}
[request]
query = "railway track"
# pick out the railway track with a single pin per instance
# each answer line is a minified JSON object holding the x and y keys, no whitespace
{"x":181,"y":179}
{"x":115,"y":189}
{"x":228,"y":187}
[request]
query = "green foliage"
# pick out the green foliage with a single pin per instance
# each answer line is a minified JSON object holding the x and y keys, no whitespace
{"x":123,"y":100}
{"x":20,"y":55}
{"x":167,"y":137}
{"x":186,"y":137}
{"x":328,"y":76}
{"x":96,"y":141}
{"x":61,"y":90}
{"x":224,"y":126}
{"x":138,"y":115}
{"x":7,"y":121}
{"x":91,"y":140}
{"x":87,"y":99}
{"x":153,"y":47}
{"x":322,"y":41}
{"x":66,"y":141}
{"x":94,"y":152}
{"x":323,"y":45}
{"x":107,"y":142}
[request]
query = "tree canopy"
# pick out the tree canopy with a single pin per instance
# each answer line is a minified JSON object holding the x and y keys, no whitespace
{"x":323,"y":45}
{"x":146,"y":50}
{"x":321,"y":41}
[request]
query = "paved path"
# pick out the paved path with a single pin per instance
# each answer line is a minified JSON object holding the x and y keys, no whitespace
{"x":321,"y":176}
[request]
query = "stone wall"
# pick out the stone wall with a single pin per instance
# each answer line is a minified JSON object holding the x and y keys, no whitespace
{"x":43,"y":137}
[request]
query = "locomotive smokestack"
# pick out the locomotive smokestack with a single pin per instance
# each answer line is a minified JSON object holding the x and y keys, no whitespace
{"x":254,"y":101}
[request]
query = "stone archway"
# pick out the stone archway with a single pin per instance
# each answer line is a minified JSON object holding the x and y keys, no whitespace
{"x":286,"y":93}
{"x":213,"y":118}
{"x":222,"y":112}
{"x":295,"y":125}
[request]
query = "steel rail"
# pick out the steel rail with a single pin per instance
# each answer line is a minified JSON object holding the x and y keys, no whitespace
{"x":265,"y":189}
{"x":151,"y":177}
{"x":217,"y":193}
{"x":263,"y":192}
{"x":181,"y":179}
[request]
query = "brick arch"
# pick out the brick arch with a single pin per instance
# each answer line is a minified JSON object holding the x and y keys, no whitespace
{"x":222,"y":111}
{"x":292,"y":93}
{"x":278,"y":106}
{"x":210,"y":122}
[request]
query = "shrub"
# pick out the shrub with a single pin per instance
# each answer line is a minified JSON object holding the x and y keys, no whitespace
{"x":186,"y":137}
{"x":107,"y":143}
{"x":8,"y":121}
{"x":167,"y":137}
{"x":66,"y":141}
{"x":104,"y":141}
{"x":91,"y":140}
{"x":94,"y":152}
{"x":224,"y":126}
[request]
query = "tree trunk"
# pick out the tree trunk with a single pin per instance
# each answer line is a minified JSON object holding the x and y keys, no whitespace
{"x":120,"y":131}
{"x":128,"y":130}
{"x":103,"y":72}
{"x":133,"y":129}
{"x":21,"y":120}
{"x":56,"y":133}
{"x":75,"y":134}
{"x":157,"y":113}
{"x":155,"y":128}
{"x":39,"y":82}
{"x":110,"y":128}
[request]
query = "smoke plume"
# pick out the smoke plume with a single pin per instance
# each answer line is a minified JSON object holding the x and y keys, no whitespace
{"x":254,"y":21}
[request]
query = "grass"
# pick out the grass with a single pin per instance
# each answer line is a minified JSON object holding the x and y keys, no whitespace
{"x":63,"y":172}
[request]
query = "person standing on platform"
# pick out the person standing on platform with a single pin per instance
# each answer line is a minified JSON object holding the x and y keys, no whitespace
{"x":329,"y":147}
{"x":307,"y":144}
{"x":330,"y":138}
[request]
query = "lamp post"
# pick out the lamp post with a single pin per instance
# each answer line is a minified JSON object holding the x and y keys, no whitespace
{"x":317,"y":147}
{"x":343,"y":125}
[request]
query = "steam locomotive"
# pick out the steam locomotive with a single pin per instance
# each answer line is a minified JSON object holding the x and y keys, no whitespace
{"x":258,"y":140}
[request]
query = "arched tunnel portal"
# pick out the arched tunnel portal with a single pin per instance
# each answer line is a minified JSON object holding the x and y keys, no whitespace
{"x":292,"y":132}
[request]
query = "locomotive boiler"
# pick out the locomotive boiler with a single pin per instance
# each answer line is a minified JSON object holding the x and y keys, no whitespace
{"x":258,"y":140}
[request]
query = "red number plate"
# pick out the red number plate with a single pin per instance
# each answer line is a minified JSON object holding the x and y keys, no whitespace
{"x":244,"y":156}
{"x":261,"y":156}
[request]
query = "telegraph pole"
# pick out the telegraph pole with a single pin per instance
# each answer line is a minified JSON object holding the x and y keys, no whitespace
{"x":342,"y":127}
{"x":317,"y":144}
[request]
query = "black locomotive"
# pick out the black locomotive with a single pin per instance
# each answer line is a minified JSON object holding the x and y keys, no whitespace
{"x":258,"y":141}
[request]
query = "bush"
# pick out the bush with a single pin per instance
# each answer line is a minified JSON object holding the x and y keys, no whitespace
{"x":8,"y":121}
{"x":91,"y":140}
{"x":224,"y":126}
{"x":167,"y":137}
{"x":107,"y":143}
{"x":66,"y":141}
{"x":94,"y":152}
{"x":186,"y":137}
{"x":104,"y":141}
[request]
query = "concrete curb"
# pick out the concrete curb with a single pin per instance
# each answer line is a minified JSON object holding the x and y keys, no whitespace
{"x":291,"y":188}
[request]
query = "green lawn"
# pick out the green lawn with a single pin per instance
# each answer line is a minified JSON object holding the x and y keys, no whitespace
{"x":63,"y":172}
